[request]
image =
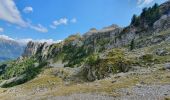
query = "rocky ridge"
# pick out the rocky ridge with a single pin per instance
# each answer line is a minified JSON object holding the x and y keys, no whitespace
{"x":111,"y":58}
{"x":99,"y":42}
{"x":115,"y":36}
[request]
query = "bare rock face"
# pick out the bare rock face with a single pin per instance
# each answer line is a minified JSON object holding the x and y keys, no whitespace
{"x":31,"y":49}
{"x":167,"y":66}
{"x":94,"y":32}
{"x":104,"y":38}
{"x":165,"y":7}
{"x":42,"y":51}
{"x":37,"y":49}
{"x":163,"y":23}
{"x":90,"y":32}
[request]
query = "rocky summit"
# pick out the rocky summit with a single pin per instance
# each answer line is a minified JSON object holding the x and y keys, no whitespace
{"x":114,"y":63}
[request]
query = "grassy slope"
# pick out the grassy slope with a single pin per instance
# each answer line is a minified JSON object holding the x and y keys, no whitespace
{"x":47,"y":84}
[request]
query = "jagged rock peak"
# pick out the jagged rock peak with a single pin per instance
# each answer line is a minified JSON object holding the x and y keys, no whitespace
{"x":32,"y":48}
{"x":113,"y":26}
{"x":93,"y":31}
{"x":110,"y":28}
{"x":165,"y":7}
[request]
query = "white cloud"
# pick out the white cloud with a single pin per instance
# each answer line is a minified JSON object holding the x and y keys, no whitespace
{"x":142,"y":3}
{"x":49,"y":41}
{"x":1,"y":29}
{"x":25,"y":41}
{"x":74,"y":20}
{"x":62,"y":21}
{"x":53,"y":27}
{"x":148,"y":1}
{"x":10,"y":13}
{"x":28,"y":10}
{"x":139,"y":2}
{"x":39,"y":28}
{"x":6,"y":37}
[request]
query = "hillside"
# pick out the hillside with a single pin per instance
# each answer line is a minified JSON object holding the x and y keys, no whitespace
{"x":112,"y":63}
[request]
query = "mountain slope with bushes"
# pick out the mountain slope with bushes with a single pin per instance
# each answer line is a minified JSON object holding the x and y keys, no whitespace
{"x":113,"y":58}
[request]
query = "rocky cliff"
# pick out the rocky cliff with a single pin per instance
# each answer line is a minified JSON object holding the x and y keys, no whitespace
{"x":99,"y":53}
{"x":130,"y":63}
{"x":110,"y":37}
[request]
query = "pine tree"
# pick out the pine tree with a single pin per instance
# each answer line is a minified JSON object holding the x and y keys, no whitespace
{"x":144,"y":12}
{"x":135,"y":20}
{"x":151,"y":14}
{"x":132,"y":44}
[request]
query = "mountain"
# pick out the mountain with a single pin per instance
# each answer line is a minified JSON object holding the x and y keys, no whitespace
{"x":113,"y":61}
{"x":10,"y":49}
{"x":78,"y":47}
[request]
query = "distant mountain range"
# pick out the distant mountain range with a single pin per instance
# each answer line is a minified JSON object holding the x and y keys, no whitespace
{"x":10,"y":49}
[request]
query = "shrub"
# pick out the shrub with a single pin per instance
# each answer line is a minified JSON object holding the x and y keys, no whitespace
{"x":119,"y":64}
{"x":93,"y":59}
{"x":147,"y":58}
{"x":135,"y":20}
{"x":98,"y":68}
{"x":132,"y":44}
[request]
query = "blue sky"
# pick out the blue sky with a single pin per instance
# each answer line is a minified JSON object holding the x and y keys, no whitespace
{"x":57,"y":19}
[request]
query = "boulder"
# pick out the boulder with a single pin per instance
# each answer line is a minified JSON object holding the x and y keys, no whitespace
{"x":167,"y":66}
{"x":162,"y":52}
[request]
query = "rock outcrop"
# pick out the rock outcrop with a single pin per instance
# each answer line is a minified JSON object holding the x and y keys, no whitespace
{"x":95,"y":55}
{"x":31,"y":49}
{"x":42,"y":51}
{"x":163,"y":23}
{"x":75,"y":49}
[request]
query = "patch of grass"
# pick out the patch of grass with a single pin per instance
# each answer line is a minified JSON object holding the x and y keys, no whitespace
{"x":167,"y":98}
{"x":101,"y":86}
{"x":165,"y":32}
